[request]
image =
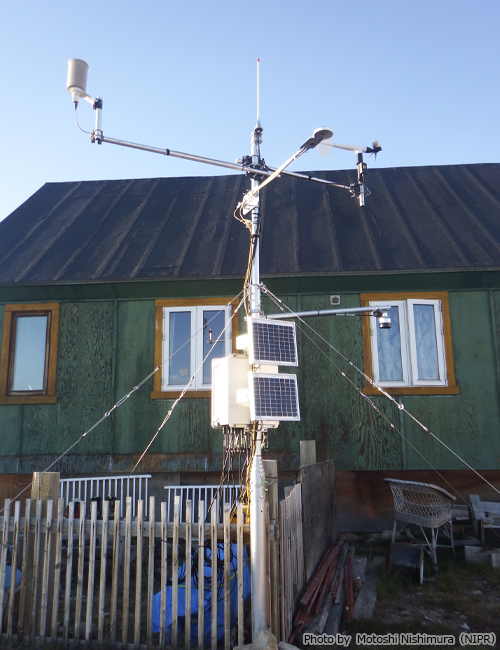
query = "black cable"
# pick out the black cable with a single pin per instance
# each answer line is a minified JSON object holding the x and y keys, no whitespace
{"x":207,"y":561}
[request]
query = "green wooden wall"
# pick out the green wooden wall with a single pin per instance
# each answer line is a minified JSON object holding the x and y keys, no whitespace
{"x":106,"y":348}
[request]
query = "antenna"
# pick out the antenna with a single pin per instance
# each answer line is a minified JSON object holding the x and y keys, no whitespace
{"x":258,"y":91}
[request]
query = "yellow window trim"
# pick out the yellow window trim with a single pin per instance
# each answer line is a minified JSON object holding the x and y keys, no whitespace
{"x":50,"y":396}
{"x":157,"y":392}
{"x":443,"y":296}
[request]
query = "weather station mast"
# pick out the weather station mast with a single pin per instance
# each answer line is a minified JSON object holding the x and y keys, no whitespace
{"x":249,"y":394}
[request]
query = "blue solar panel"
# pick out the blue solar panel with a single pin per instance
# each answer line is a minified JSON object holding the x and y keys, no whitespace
{"x":273,"y":342}
{"x":274,"y":397}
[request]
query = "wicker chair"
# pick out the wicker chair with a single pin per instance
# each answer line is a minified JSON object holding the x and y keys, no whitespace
{"x":426,"y":506}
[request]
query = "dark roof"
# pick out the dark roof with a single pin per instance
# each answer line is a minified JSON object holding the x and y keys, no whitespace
{"x":417,"y":218}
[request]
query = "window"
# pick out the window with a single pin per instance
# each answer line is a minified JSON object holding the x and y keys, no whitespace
{"x":29,"y":354}
{"x":186,"y":332}
{"x":415,"y":355}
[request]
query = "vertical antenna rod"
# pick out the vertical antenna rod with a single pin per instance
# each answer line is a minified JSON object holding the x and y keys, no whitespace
{"x":258,"y":91}
{"x":254,"y":289}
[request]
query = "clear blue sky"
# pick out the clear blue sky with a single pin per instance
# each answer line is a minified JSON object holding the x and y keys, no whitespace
{"x":420,"y":77}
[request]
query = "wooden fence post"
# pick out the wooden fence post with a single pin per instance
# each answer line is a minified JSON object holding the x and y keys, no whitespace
{"x":102,"y":581}
{"x":3,"y":558}
{"x":201,"y":573}
{"x":271,"y":470}
{"x":45,"y":487}
{"x":227,"y":577}
{"x":187,"y":606}
{"x":13,"y":575}
{"x":307,"y":452}
{"x":151,"y":569}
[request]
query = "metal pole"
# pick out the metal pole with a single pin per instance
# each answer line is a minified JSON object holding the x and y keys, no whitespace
{"x":97,"y":133}
{"x":254,"y":288}
{"x":258,"y":555}
{"x":97,"y":136}
{"x":258,"y":540}
{"x":331,"y":312}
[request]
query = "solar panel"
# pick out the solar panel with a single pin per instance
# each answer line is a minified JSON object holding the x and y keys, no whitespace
{"x":272,"y":342}
{"x":273,"y":397}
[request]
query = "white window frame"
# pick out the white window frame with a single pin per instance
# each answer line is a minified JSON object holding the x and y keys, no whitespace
{"x":195,"y":343}
{"x":408,"y":343}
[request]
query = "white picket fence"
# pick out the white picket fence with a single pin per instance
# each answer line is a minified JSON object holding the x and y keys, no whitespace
{"x":79,"y":582}
{"x":108,"y":487}
{"x":213,"y":496}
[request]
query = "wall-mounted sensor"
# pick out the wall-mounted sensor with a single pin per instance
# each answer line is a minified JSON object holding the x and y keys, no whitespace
{"x":384,"y":322}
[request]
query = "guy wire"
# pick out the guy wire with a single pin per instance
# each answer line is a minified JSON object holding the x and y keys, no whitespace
{"x":122,"y":401}
{"x":401,"y":407}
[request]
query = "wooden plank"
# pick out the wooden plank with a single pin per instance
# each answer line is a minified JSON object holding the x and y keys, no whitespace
{"x":477,"y":514}
{"x":3,"y":556}
{"x":318,"y":576}
{"x":271,"y":469}
{"x":239,"y":546}
{"x":287,"y":575}
{"x":91,"y":576}
{"x":15,"y":551}
{"x":325,"y":598}
{"x":45,"y":487}
{"x":201,"y":573}
{"x":151,"y":570}
{"x":36,"y":570}
{"x":307,"y":452}
{"x":138,"y":574}
{"x":338,"y":574}
{"x":46,"y":571}
{"x":213,"y":551}
{"x":318,"y":515}
{"x":227,"y":578}
{"x":328,"y":574}
{"x":187,"y":620}
{"x":491,"y":509}
{"x":324,"y":605}
{"x":24,"y":569}
{"x":126,"y":570}
{"x":116,"y":568}
{"x":349,"y":589}
{"x":102,"y":577}
{"x":311,"y":601}
{"x":284,"y":557}
{"x":175,"y":573}
{"x":164,"y":575}
{"x":170,"y":528}
{"x":69,"y":571}
{"x":57,"y":572}
{"x":81,"y":563}
{"x":292,"y":561}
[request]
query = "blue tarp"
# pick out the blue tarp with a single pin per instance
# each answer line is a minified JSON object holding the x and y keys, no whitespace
{"x":208,"y":600}
{"x":8,"y":571}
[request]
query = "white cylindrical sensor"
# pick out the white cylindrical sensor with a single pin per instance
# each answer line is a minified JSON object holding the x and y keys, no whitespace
{"x":77,"y":78}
